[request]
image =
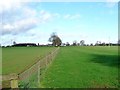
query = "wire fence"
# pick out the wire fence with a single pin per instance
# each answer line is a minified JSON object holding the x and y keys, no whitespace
{"x":29,"y":77}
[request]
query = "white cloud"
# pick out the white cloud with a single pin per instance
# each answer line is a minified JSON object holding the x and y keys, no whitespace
{"x":112,"y":0}
{"x":17,"y":17}
{"x":22,"y":18}
{"x":12,"y":18}
{"x":56,"y":15}
{"x":75,"y":16}
{"x":111,"y":3}
{"x":7,"y":5}
{"x":75,"y":0}
{"x":46,"y":16}
{"x":20,"y":26}
{"x":29,"y":12}
{"x":67,"y":16}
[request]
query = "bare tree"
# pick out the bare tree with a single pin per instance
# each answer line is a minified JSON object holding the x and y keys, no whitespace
{"x":98,"y":43}
{"x":82,"y":42}
{"x":103,"y":44}
{"x":56,"y":41}
{"x":91,"y":44}
{"x":67,"y":44}
{"x":74,"y":43}
{"x":14,"y":43}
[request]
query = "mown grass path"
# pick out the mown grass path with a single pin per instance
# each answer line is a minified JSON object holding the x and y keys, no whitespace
{"x":83,"y":67}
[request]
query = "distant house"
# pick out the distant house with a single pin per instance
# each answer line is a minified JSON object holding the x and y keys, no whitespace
{"x":24,"y":44}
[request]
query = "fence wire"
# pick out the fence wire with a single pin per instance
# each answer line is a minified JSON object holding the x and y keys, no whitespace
{"x":31,"y":76}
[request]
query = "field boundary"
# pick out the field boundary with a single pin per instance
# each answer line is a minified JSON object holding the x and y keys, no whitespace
{"x":36,"y":67}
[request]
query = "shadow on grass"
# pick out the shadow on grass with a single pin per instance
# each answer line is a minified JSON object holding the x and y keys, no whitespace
{"x":107,"y":60}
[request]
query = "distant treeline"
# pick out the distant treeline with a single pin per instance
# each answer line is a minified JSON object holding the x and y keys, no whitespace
{"x":108,"y":44}
{"x":24,"y":44}
{"x":27,"y":45}
{"x":63,"y":44}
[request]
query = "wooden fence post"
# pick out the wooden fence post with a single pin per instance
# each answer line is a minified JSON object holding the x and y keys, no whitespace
{"x":39,"y":74}
{"x":14,"y":83}
{"x":46,"y":60}
{"x":14,"y":80}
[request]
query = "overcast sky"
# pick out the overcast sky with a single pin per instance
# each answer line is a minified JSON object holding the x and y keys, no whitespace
{"x":33,"y":22}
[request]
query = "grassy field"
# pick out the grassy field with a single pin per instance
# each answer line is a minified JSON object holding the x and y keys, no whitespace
{"x":83,"y":67}
{"x":16,"y":59}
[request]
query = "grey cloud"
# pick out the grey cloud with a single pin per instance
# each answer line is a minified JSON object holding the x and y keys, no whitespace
{"x":18,"y":27}
{"x":17,"y":19}
{"x":23,"y":18}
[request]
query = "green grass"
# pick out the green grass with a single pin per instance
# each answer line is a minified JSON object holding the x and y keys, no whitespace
{"x":17,"y":59}
{"x":83,"y":67}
